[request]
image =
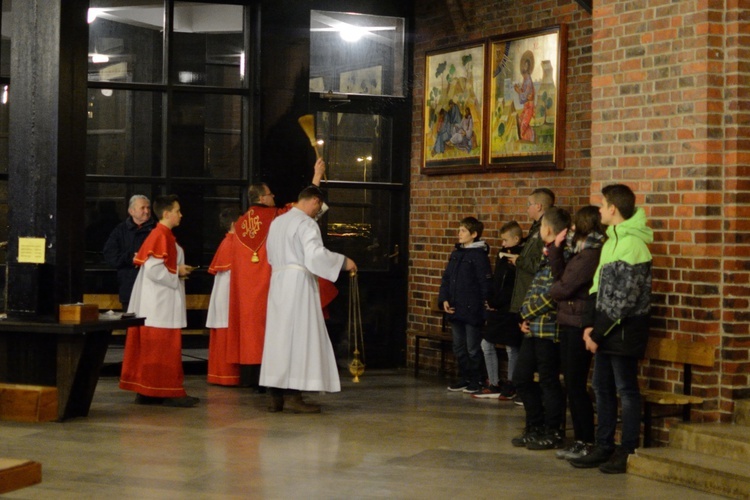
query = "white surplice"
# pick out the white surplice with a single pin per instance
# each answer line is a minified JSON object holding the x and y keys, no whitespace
{"x":159,"y":295}
{"x":297,"y":353}
{"x":218,"y":304}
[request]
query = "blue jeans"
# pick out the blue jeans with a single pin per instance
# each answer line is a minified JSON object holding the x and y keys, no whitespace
{"x":467,"y":347}
{"x":615,"y":375}
{"x":490,"y":361}
{"x":512,"y":352}
{"x":576,"y":362}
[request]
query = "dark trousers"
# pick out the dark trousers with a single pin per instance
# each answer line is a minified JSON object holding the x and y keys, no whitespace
{"x":615,"y":375}
{"x":467,"y":347}
{"x":543,"y":400}
{"x":576,"y":362}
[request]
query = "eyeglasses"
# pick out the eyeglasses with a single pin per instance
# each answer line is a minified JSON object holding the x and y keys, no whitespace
{"x":267,"y":194}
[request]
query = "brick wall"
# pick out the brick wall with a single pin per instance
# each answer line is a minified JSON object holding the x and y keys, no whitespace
{"x":669,"y":118}
{"x":658,"y":99}
{"x":439,"y":202}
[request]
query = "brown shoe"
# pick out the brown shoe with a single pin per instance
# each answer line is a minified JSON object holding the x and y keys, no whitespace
{"x":276,"y":403}
{"x":295,"y":404}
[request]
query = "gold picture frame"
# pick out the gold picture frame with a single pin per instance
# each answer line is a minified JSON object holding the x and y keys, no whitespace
{"x":454,"y":109}
{"x":526,"y":100}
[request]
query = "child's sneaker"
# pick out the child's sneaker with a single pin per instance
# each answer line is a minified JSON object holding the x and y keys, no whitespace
{"x":547,"y":441}
{"x":576,"y":450}
{"x":489,"y":392}
{"x":458,"y":386}
{"x":508,"y":392}
{"x":529,"y":435}
{"x":473,"y":388}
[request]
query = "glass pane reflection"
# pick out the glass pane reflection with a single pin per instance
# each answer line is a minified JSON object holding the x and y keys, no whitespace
{"x":356,"y":147}
{"x":5,"y":32}
{"x":4,"y":119}
{"x":124,"y":132}
{"x":205,"y":138}
{"x":125,"y":41}
{"x":208,"y":45}
{"x":358,"y":226}
{"x":356,"y":53}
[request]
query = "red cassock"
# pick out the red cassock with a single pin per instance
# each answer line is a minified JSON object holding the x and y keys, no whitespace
{"x":220,"y":371}
{"x":152,"y":361}
{"x":248,"y":288}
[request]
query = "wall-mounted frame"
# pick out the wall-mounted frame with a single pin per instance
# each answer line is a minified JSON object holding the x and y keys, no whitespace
{"x":454,"y":109}
{"x":496,"y":104}
{"x":367,"y":81}
{"x":526,"y":81}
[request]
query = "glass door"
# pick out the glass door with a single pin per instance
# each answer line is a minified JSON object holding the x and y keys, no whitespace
{"x":358,"y":68}
{"x":365,"y":222}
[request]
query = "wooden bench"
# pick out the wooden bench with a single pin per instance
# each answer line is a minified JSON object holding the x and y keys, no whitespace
{"x":28,"y":403}
{"x":111,"y":302}
{"x":18,"y":473}
{"x":442,"y":334}
{"x":445,"y":339}
{"x":688,"y":354}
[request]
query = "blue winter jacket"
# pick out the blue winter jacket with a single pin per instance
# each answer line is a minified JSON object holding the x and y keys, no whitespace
{"x":467,"y":282}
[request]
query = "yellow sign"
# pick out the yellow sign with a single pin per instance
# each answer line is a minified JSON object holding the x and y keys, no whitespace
{"x":31,"y":250}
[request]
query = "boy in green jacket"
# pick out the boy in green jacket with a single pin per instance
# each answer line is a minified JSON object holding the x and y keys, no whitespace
{"x":616,"y":331}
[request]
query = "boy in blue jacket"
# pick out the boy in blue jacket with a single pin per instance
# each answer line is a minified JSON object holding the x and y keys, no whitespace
{"x":616,"y":329}
{"x":464,"y":290}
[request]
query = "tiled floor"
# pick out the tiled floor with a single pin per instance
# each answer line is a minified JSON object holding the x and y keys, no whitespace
{"x":390,"y":436}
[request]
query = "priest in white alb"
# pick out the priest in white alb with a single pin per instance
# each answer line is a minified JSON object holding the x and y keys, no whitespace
{"x":297,"y":353}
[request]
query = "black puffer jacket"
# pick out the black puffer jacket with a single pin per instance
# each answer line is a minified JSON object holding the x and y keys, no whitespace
{"x":502,"y":325}
{"x":573,"y":279}
{"x":466,"y":283}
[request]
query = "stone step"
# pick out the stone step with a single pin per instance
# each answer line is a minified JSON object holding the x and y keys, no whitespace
{"x":730,"y":478}
{"x":720,"y":440}
{"x":742,"y":412}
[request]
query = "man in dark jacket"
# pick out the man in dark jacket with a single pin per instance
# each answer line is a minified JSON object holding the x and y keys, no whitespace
{"x":617,"y":331}
{"x":464,"y":290}
{"x":527,"y":263}
{"x":124,"y":242}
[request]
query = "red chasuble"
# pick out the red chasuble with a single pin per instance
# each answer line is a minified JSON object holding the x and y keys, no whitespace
{"x":152,"y":361}
{"x":248,"y":288}
{"x":220,"y":371}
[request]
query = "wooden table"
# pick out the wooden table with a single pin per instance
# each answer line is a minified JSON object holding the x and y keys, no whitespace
{"x":67,"y":356}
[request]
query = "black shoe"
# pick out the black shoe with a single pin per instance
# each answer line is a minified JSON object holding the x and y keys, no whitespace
{"x":140,"y":399}
{"x":529,"y":435}
{"x":183,"y":402}
{"x":593,"y":459}
{"x":547,"y":441}
{"x":472,"y":388}
{"x":458,"y":386}
{"x":618,"y":462}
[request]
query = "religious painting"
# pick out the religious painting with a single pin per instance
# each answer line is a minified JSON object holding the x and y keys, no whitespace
{"x":453,"y":110}
{"x":362,"y":81}
{"x":526,"y":103}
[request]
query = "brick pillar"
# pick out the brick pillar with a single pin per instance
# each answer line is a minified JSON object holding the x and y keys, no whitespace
{"x":668,"y":97}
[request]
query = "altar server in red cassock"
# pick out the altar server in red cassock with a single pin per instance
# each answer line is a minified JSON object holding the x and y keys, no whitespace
{"x":251,"y":276}
{"x":220,"y":371}
{"x":152,"y":362}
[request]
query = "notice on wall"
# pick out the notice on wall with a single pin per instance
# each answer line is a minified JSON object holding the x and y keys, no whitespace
{"x":31,"y":250}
